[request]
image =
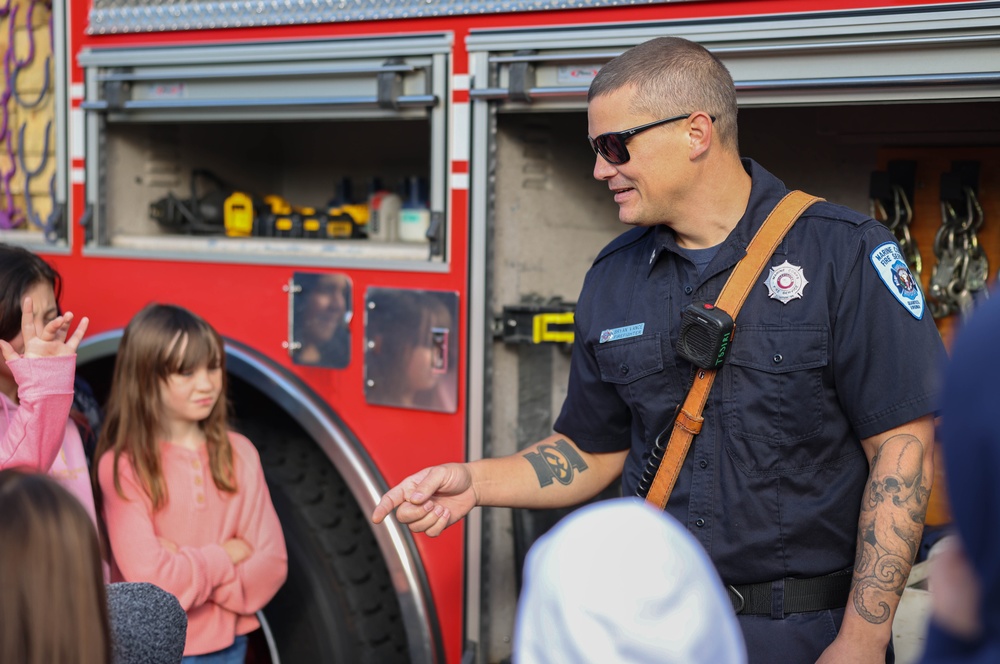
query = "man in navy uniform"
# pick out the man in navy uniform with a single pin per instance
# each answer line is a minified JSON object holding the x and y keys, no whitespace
{"x":809,"y":481}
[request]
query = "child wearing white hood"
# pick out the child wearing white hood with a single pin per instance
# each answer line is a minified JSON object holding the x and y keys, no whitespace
{"x":619,"y":581}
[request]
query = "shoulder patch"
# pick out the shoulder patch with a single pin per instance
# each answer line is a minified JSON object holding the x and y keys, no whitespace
{"x":895,"y":274}
{"x":626,"y":239}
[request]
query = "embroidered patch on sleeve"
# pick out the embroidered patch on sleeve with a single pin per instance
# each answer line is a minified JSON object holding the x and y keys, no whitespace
{"x":896,"y":276}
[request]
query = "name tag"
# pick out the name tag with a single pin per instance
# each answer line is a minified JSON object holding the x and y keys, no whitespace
{"x":622,"y":332}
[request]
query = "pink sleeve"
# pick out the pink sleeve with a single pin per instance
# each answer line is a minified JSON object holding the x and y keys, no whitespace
{"x":261,"y":575}
{"x":191,"y":574}
{"x":45,"y":390}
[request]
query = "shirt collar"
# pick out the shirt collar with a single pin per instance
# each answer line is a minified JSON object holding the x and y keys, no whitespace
{"x":765,"y":192}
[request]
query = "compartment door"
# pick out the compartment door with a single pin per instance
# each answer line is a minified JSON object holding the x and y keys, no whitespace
{"x":367,"y":78}
{"x":377,"y":80}
{"x":868,"y":56}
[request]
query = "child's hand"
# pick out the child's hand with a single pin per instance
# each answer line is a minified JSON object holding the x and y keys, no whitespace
{"x":50,"y":341}
{"x":237,"y":549}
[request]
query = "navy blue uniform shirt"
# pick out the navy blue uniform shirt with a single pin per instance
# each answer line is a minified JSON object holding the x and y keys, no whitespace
{"x":847,"y":349}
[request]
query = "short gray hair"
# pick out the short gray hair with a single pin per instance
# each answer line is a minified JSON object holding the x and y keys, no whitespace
{"x":671,"y":76}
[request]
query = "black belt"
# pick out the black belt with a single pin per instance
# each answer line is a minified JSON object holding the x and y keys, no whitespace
{"x":778,"y":598}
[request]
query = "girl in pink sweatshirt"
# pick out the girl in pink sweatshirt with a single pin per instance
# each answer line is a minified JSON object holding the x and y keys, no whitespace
{"x":37,"y":367}
{"x":183,"y":497}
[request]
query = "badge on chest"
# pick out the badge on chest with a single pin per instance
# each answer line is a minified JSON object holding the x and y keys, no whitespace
{"x":786,"y":282}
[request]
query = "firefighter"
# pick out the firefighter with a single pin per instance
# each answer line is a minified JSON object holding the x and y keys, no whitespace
{"x":808,"y":483}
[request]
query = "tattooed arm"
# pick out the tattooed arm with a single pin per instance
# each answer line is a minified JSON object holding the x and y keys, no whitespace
{"x":889,"y":529}
{"x":551,"y":473}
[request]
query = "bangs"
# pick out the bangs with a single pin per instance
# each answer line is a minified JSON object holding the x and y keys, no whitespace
{"x":192,"y":347}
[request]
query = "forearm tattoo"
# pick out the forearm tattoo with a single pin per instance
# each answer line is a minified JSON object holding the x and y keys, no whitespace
{"x":892,"y":520}
{"x":555,"y":463}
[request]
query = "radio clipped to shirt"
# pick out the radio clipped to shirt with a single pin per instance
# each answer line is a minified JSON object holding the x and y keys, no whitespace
{"x":706,"y":333}
{"x":705,"y":341}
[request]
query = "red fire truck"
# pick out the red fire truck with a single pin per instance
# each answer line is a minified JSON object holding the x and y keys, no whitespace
{"x":390,"y":175}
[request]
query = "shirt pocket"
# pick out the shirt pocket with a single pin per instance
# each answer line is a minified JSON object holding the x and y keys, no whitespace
{"x":774,"y":385}
{"x":624,"y":362}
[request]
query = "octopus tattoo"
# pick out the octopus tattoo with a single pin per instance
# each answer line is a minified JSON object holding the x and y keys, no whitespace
{"x":892,"y":519}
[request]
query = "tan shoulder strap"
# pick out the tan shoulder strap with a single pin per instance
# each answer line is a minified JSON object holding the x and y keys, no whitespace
{"x":688,"y":423}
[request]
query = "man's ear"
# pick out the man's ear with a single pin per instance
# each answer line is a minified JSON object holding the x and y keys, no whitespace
{"x":700,"y":132}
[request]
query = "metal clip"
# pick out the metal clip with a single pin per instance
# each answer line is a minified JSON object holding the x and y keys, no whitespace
{"x":734,"y":595}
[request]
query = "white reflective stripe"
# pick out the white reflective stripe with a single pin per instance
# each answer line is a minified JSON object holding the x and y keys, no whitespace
{"x":459,"y":180}
{"x":76,"y":130}
{"x":460,"y":120}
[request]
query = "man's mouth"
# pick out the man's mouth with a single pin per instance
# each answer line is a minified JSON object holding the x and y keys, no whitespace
{"x":621,"y":192}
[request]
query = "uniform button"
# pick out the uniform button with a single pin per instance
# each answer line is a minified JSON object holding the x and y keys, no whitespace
{"x":703,"y":463}
{"x":200,"y":498}
{"x":197,"y":480}
{"x":687,"y":290}
{"x":777,"y":358}
{"x":624,"y":369}
{"x":699,"y":523}
{"x":194,"y":464}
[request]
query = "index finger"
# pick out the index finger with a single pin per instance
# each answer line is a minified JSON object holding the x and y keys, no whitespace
{"x":416,"y":489}
{"x":389,"y":501}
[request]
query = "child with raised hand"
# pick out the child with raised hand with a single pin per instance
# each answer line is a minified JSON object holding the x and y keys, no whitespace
{"x":183,"y":497}
{"x":37,"y":368}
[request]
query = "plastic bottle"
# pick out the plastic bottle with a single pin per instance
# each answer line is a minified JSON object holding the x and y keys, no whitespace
{"x":415,"y":216}
{"x":383,"y":212}
{"x":389,"y":212}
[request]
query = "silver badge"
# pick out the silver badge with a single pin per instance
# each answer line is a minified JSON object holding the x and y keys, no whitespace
{"x":786,"y":282}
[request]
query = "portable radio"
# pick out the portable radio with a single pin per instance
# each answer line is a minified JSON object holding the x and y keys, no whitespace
{"x":706,"y":333}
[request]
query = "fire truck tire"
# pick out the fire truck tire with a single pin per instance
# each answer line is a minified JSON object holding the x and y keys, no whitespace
{"x":338,"y":604}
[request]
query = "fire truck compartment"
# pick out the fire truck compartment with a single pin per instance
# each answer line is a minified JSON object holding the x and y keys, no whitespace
{"x":174,"y":133}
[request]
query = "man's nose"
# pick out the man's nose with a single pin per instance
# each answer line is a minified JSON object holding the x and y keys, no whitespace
{"x":602,"y":169}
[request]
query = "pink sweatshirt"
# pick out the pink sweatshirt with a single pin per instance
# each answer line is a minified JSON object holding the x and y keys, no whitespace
{"x":38,"y":433}
{"x":220,"y":598}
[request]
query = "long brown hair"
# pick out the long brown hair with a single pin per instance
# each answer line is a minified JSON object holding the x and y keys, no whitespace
{"x":53,"y":606}
{"x":161,"y":340}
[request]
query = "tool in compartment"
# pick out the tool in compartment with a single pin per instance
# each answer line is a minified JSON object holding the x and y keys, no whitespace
{"x":202,"y":213}
{"x":215,"y":208}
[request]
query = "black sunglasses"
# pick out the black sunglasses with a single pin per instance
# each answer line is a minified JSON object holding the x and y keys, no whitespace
{"x":612,"y":147}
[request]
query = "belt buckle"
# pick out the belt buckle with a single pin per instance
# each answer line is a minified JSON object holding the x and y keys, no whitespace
{"x":737,"y":609}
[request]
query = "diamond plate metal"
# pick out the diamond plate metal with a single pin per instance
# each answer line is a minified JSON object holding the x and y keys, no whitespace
{"x":125,"y":16}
